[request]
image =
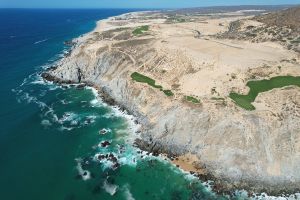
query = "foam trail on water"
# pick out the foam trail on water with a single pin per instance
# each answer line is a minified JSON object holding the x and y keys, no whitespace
{"x":110,"y":188}
{"x":127,"y":193}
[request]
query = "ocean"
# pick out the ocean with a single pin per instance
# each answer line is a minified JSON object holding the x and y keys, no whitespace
{"x":52,"y":136}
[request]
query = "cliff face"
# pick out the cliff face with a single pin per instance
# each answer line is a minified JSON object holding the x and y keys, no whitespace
{"x":258,"y":149}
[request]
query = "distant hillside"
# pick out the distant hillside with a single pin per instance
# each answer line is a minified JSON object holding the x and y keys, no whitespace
{"x":289,"y":17}
{"x":278,"y":26}
{"x":223,"y":9}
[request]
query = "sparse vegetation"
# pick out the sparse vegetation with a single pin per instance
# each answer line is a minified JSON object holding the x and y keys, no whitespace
{"x":144,"y":79}
{"x":192,"y":99}
{"x":175,"y":19}
{"x":279,"y":27}
{"x":140,"y":30}
{"x":257,"y":87}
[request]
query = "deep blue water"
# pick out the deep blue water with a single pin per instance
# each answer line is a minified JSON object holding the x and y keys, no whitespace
{"x":19,"y":31}
{"x":49,"y":135}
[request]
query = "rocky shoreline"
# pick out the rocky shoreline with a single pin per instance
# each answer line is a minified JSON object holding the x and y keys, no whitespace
{"x":219,"y":186}
{"x":233,"y":165}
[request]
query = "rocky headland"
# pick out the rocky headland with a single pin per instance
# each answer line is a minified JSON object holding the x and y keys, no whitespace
{"x":175,"y":72}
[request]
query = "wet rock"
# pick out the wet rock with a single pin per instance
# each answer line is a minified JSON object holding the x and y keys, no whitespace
{"x":80,"y":86}
{"x":69,"y":43}
{"x":112,"y":158}
{"x":155,"y":153}
{"x":116,"y":165}
{"x":121,"y":149}
{"x":101,"y":157}
{"x":105,"y":144}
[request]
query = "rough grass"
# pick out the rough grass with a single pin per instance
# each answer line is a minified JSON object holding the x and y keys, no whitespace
{"x":257,"y":87}
{"x":192,"y":99}
{"x":144,"y":79}
{"x":140,"y":30}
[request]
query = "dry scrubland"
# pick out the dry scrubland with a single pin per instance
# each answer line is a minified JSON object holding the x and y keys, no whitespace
{"x":175,"y":72}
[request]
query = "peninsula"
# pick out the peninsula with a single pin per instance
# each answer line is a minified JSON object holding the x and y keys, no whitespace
{"x":217,"y":91}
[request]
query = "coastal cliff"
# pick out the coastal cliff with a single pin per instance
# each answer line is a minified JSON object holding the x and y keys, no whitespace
{"x":257,"y":150}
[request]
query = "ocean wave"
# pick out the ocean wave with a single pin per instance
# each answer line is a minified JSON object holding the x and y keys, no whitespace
{"x":40,"y":41}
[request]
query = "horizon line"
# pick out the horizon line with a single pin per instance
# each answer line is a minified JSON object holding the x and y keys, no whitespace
{"x":90,"y":8}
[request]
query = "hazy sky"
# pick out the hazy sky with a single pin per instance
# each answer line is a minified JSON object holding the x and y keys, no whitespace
{"x":134,"y":3}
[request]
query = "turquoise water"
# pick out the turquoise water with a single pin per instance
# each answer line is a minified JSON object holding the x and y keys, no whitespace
{"x":49,"y":138}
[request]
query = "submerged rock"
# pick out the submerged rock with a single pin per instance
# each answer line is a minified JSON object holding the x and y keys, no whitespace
{"x":103,"y":131}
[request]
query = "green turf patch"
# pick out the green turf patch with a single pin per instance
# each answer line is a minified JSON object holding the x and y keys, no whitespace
{"x":192,"y":99}
{"x":217,"y":98}
{"x":257,"y":87}
{"x":168,"y":93}
{"x":145,"y":79}
{"x":140,"y":30}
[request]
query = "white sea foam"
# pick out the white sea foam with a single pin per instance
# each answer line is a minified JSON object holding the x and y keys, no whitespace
{"x":74,"y":122}
{"x":117,"y":112}
{"x":110,"y":188}
{"x":90,"y":119}
{"x":85,"y":174}
{"x":38,"y":80}
{"x":46,"y":123}
{"x":265,"y":196}
{"x":104,"y":131}
{"x":106,"y":164}
{"x":68,"y":117}
{"x":127,"y":193}
{"x":94,"y":102}
{"x":63,"y":128}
